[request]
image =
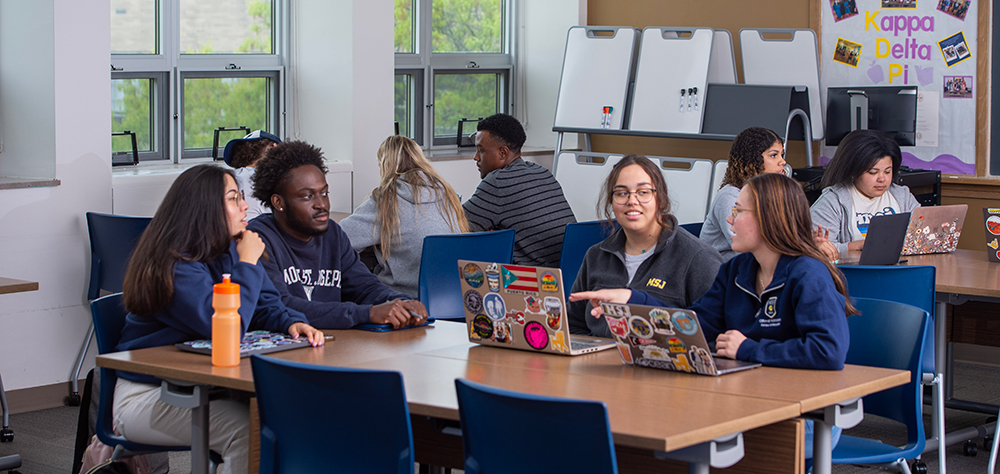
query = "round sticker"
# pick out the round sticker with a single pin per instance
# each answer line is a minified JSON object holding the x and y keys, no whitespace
{"x":640,"y":327}
{"x":676,"y":345}
{"x":536,"y":335}
{"x":495,"y":307}
{"x":473,"y":302}
{"x":473,"y":275}
{"x":685,"y":323}
{"x":993,"y":225}
{"x":482,"y":325}
{"x":549,"y":283}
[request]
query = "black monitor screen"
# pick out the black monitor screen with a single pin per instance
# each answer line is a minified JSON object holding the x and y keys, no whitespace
{"x":891,"y":109}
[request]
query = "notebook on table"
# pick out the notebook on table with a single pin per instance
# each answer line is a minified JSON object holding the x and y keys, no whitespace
{"x":388,"y":327}
{"x":520,"y":307}
{"x":665,"y":338}
{"x":254,"y":342}
{"x":884,"y":241}
{"x":934,"y":229}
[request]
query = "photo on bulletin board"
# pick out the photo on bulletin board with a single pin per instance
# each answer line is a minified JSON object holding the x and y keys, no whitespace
{"x":899,"y":3}
{"x":847,"y":52}
{"x":843,"y":9}
{"x":957,"y":87}
{"x":955,"y":8}
{"x":954,"y":49}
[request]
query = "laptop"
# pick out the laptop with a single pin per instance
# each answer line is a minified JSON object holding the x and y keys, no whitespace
{"x":934,"y":229}
{"x":520,"y":307}
{"x":254,"y":342}
{"x":884,"y":241}
{"x":665,"y":338}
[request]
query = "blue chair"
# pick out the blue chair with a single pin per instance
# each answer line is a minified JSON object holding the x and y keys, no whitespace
{"x":694,"y":228}
{"x":112,"y":239}
{"x":913,"y":285}
{"x":331,"y":419}
{"x":109,"y":314}
{"x":578,"y":237}
{"x":580,"y":429}
{"x":890,"y":335}
{"x":440,"y":288}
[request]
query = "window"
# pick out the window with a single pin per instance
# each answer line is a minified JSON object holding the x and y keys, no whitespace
{"x":184,"y":71}
{"x":453,"y":62}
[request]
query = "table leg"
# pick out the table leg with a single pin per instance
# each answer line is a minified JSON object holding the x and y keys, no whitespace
{"x":822,"y":439}
{"x":195,"y":397}
{"x":941,"y":346}
{"x":719,"y":453}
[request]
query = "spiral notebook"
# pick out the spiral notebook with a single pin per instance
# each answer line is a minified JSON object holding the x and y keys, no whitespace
{"x":254,"y":342}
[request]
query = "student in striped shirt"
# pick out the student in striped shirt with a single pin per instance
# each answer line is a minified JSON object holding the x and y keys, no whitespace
{"x":515,"y":194}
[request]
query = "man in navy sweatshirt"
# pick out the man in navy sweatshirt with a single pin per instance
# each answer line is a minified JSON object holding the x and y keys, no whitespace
{"x":310,"y":259}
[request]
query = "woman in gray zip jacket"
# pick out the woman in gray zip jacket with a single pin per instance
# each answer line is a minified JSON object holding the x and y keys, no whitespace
{"x":857,"y":186}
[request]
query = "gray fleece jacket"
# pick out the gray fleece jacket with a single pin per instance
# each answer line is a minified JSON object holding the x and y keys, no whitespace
{"x":401,"y":271}
{"x":833,"y":211}
{"x":681,"y":269}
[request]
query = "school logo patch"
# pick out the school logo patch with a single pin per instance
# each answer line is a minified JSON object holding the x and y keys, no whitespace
{"x":771,"y":307}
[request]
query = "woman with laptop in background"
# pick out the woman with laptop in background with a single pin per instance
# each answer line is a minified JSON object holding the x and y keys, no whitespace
{"x":755,"y":150}
{"x":410,"y":203}
{"x":857,"y":186}
{"x":198,"y":234}
{"x":650,"y":252}
{"x":780,"y":302}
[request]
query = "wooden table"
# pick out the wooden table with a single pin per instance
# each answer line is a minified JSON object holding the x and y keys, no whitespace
{"x":11,"y":285}
{"x":650,"y":411}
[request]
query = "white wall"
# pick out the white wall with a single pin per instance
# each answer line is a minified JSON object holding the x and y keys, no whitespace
{"x":43,"y":230}
{"x":342,"y":76}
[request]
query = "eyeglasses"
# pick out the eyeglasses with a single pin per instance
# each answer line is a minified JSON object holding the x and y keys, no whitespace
{"x":643,"y":195}
{"x":737,"y":210}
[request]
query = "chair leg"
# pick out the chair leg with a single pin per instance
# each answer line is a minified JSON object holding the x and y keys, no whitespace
{"x":937,"y":419}
{"x":993,"y":452}
{"x":902,"y":466}
{"x":74,"y":378}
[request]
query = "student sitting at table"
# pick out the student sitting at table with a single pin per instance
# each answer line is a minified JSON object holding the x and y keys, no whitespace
{"x":857,"y":186}
{"x":755,"y":150}
{"x":780,"y":302}
{"x":197,"y":234}
{"x":649,"y":252}
{"x":312,"y":263}
{"x":242,"y":154}
{"x":410,"y":203}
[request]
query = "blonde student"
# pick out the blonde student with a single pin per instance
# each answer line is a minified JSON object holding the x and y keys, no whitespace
{"x":410,"y":203}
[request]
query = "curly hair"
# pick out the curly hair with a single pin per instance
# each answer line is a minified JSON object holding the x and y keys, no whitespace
{"x":746,"y":156}
{"x":506,"y":128}
{"x":247,"y":153}
{"x":273,"y":169}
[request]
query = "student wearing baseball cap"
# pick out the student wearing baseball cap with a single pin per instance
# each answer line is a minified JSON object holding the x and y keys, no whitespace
{"x":242,"y":154}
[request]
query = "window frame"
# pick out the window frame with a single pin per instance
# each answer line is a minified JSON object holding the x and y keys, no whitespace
{"x":175,"y":66}
{"x":429,"y":64}
{"x":159,"y":142}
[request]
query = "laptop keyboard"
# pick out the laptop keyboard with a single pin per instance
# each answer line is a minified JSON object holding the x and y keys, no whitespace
{"x":576,"y":346}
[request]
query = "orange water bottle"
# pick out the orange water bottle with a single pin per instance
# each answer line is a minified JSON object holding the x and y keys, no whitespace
{"x":226,"y":323}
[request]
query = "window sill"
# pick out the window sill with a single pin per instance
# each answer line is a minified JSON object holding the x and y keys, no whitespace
{"x":16,"y":183}
{"x":467,"y":153}
{"x":151,"y":169}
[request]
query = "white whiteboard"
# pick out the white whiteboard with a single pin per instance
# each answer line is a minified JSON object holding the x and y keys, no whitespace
{"x":785,"y":62}
{"x":668,"y":62}
{"x":596,"y":72}
{"x":582,"y":181}
{"x":722,"y":67}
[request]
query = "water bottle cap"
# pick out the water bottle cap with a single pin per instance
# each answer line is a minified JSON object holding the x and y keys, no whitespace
{"x":226,"y":287}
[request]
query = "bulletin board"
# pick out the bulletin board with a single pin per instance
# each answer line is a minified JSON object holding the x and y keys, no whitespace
{"x":927,"y":43}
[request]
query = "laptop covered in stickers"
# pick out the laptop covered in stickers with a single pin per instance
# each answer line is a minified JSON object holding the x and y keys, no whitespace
{"x":520,"y":307}
{"x":665,"y":338}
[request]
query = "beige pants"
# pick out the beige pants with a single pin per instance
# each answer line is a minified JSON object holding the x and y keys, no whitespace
{"x":141,"y":417}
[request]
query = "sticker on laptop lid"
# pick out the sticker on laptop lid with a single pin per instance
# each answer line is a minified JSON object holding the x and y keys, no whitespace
{"x":549,"y":283}
{"x":473,"y":275}
{"x":518,"y":279}
{"x":676,"y":345}
{"x":656,"y":353}
{"x":516,"y":316}
{"x":501,"y":332}
{"x":640,"y":341}
{"x":473,"y":301}
{"x":618,"y":326}
{"x":559,"y":342}
{"x":493,"y":277}
{"x":640,"y":327}
{"x":496,"y":309}
{"x":685,"y":322}
{"x":681,"y":363}
{"x":482,"y":325}
{"x":532,"y":304}
{"x":626,"y":352}
{"x":661,"y":321}
{"x":553,"y":312}
{"x":535,"y":335}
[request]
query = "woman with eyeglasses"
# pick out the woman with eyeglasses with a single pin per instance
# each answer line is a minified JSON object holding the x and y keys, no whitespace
{"x":649,"y":252}
{"x":755,"y":150}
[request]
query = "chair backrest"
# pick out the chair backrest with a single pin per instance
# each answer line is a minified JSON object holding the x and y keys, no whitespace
{"x":891,"y":335}
{"x":581,"y":177}
{"x":578,"y":237}
{"x":331,"y":419}
{"x":694,"y":228}
{"x":913,"y":285}
{"x":112,"y":239}
{"x":579,"y":428}
{"x":688,"y":187}
{"x":440,"y":288}
{"x":718,"y":174}
{"x":109,"y":315}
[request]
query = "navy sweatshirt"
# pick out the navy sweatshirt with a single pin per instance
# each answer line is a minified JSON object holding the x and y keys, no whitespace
{"x":798,"y":322}
{"x":188,"y":316}
{"x":323,"y":278}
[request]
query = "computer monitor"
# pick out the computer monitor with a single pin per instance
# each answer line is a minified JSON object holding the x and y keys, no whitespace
{"x":890,"y":109}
